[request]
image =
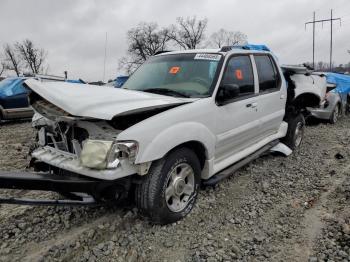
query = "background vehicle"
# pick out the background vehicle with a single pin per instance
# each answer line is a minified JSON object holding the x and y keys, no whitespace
{"x":13,"y":99}
{"x":13,"y":96}
{"x":118,"y":82}
{"x":182,"y":119}
{"x":306,"y":89}
{"x":336,"y":100}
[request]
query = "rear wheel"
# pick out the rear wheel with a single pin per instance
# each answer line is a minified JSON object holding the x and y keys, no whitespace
{"x":295,"y":133}
{"x":335,"y":115}
{"x":169,"y":191}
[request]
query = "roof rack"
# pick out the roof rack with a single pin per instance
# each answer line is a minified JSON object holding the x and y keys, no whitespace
{"x":161,"y":52}
{"x":45,"y":77}
{"x":49,"y":77}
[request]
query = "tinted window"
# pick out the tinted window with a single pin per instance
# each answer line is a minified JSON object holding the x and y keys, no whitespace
{"x":239,"y":72}
{"x":188,"y":74}
{"x":268,"y":78}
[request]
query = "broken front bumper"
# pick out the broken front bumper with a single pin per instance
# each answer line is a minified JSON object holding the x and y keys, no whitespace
{"x":70,"y":162}
{"x":85,"y":191}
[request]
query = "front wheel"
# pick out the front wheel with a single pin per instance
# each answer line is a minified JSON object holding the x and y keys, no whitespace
{"x":295,"y":133}
{"x":169,"y":191}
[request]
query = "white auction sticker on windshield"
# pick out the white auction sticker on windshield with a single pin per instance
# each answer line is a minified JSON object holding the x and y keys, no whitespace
{"x":211,"y":57}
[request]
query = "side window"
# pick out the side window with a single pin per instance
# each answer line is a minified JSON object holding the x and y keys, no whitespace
{"x":267,"y":73}
{"x":239,"y":72}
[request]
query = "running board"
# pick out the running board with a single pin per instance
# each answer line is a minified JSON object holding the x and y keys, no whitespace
{"x":231,"y":169}
{"x":47,"y":202}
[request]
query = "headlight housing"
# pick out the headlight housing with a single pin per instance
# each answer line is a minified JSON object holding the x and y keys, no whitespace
{"x":94,"y":153}
{"x":122,"y":150}
{"x":99,"y":154}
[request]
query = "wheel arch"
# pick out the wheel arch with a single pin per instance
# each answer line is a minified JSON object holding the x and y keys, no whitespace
{"x":193,"y":135}
{"x":197,"y":147}
{"x":306,"y":100}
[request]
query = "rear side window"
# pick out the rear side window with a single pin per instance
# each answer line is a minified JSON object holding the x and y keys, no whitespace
{"x":239,"y":72}
{"x":267,"y":73}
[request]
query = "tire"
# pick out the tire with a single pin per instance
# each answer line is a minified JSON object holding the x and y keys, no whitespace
{"x":169,"y":191}
{"x":295,"y":133}
{"x":335,"y":114}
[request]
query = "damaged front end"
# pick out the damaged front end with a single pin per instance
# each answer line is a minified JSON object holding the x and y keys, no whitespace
{"x":77,"y":153}
{"x":81,"y":145}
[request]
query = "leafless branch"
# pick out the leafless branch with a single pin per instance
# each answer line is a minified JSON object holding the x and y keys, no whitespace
{"x":188,"y":33}
{"x":32,"y":57}
{"x":227,"y":38}
{"x":11,"y":59}
{"x":144,"y":41}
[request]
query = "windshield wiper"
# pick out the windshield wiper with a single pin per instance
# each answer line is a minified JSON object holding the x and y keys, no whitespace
{"x":165,"y":91}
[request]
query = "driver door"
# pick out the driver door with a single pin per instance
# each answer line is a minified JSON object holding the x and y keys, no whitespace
{"x":238,"y":121}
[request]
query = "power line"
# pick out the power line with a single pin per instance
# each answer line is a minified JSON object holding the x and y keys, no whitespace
{"x":314,"y":22}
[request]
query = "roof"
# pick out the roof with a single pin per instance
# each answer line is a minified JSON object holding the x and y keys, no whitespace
{"x":218,"y":51}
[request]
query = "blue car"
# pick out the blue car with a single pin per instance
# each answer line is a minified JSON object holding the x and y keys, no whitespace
{"x":13,"y":99}
{"x":13,"y":96}
{"x":118,"y":82}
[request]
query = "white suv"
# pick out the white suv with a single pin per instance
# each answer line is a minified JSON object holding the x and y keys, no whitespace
{"x":181,"y":119}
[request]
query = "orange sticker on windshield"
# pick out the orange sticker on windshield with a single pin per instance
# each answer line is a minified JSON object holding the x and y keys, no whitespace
{"x":239,"y":74}
{"x":174,"y":70}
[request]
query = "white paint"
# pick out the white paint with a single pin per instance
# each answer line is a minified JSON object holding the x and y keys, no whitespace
{"x":228,"y":133}
{"x":98,"y":101}
{"x":282,"y":148}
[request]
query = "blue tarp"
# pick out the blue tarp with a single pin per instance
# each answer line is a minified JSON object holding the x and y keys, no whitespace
{"x":120,"y":80}
{"x":341,"y":81}
{"x":74,"y":81}
{"x":253,"y":47}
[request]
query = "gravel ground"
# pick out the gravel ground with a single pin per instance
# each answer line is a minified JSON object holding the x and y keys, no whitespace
{"x":275,"y":209}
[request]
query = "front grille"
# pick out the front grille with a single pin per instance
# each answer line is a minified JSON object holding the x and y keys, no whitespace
{"x":64,"y":136}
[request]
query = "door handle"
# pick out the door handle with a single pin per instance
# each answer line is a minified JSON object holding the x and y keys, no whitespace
{"x":252,"y":105}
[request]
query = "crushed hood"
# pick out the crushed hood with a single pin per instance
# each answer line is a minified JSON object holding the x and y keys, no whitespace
{"x":98,"y":101}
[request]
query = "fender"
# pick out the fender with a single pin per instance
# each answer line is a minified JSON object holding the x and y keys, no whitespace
{"x":176,"y":135}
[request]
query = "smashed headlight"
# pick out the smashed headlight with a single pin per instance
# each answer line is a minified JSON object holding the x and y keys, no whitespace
{"x":99,"y":154}
{"x":94,"y":153}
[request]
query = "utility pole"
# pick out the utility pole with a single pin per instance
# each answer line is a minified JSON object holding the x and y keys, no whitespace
{"x":313,"y":41}
{"x":104,"y":61}
{"x":331,"y":45}
{"x":314,"y":22}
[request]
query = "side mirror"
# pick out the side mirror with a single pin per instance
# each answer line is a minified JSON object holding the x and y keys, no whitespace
{"x":226,"y":93}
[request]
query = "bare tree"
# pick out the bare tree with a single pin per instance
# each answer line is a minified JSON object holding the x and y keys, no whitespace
{"x":33,"y":57}
{"x":11,"y":59}
{"x":144,"y":41}
{"x":2,"y":68}
{"x":188,"y":33}
{"x":227,"y":38}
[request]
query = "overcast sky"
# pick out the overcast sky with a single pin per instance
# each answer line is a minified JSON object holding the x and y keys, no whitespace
{"x":73,"y":32}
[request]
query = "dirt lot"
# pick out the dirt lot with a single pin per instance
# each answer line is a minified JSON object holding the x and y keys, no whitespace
{"x":275,"y":209}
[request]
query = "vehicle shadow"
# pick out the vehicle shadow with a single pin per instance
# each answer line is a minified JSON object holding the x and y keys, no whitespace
{"x":312,"y":121}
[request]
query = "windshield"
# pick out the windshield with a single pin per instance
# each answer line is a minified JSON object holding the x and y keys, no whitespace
{"x":183,"y":75}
